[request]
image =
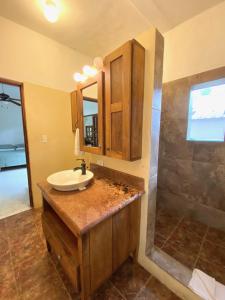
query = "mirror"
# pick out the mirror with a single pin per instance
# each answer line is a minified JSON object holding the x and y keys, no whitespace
{"x":90,"y":96}
{"x":90,"y":115}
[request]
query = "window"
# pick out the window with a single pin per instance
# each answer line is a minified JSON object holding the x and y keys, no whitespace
{"x":206,"y":120}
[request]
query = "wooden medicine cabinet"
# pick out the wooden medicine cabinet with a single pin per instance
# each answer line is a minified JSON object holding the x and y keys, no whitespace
{"x":124,"y":89}
{"x":113,"y":126}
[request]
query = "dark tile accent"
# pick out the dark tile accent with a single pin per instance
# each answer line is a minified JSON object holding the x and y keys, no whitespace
{"x":155,"y":290}
{"x":129,"y":279}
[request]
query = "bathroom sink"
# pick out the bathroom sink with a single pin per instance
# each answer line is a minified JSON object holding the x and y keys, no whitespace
{"x":69,"y":180}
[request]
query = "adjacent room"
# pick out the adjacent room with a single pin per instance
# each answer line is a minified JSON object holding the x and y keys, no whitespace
{"x":112,"y":150}
{"x":14,"y":197}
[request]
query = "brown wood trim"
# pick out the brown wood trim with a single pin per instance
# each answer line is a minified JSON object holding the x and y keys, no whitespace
{"x":99,"y":79}
{"x":115,"y":107}
{"x":90,"y":99}
{"x":74,"y":110}
{"x":20,"y":85}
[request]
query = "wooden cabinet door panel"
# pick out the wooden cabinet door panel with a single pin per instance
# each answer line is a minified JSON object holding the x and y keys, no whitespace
{"x":118,"y":106}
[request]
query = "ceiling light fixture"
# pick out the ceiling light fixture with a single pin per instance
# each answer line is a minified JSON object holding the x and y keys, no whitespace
{"x":51,"y":10}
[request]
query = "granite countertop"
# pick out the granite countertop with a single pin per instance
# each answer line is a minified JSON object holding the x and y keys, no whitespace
{"x":81,"y":210}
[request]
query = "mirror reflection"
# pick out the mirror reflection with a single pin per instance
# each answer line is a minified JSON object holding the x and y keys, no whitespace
{"x":90,"y":115}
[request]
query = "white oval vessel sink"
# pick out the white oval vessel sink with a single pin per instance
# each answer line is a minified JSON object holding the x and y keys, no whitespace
{"x":69,"y":180}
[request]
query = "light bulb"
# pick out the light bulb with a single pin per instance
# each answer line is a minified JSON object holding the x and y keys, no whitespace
{"x":90,"y":71}
{"x":51,"y":11}
{"x":79,"y":77}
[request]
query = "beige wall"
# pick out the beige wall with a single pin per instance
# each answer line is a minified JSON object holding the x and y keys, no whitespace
{"x":48,"y":112}
{"x":196,"y":45}
{"x":31,"y":57}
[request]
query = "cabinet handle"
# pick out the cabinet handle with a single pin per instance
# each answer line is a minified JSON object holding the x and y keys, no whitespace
{"x":59,"y":257}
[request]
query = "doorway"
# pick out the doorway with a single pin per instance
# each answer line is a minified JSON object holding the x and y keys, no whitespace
{"x":15,"y":179}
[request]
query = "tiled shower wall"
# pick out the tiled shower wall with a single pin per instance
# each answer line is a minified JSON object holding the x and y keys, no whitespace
{"x":191,"y":178}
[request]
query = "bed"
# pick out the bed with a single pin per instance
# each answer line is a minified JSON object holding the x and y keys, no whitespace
{"x":12,"y":155}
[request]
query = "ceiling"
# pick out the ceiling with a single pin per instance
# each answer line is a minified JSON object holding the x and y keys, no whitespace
{"x":95,"y":27}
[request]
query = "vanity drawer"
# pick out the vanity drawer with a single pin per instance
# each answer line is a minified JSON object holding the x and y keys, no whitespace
{"x":66,"y":259}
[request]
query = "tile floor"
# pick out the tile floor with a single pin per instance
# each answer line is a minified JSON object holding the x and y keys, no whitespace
{"x":193,"y":244}
{"x":28,"y":271}
{"x":14,"y":196}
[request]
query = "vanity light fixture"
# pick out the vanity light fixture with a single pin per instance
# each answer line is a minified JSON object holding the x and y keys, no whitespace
{"x":79,"y":77}
{"x":51,"y":10}
{"x":89,"y":71}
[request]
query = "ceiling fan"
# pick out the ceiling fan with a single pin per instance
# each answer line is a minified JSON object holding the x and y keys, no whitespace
{"x":6,"y":98}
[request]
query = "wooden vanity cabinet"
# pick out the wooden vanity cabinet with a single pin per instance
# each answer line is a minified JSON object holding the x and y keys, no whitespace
{"x":90,"y":258}
{"x":124,"y":89}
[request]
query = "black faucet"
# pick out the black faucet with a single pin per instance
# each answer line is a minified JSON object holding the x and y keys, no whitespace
{"x":82,"y":167}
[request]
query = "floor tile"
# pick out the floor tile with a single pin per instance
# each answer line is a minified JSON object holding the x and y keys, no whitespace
{"x":28,"y":271}
{"x":214,"y":270}
{"x":216,"y":236}
{"x":186,"y":241}
{"x":27,"y":251}
{"x":181,"y":254}
{"x":159,"y":240}
{"x":8,"y":289}
{"x":4,"y":246}
{"x":2,"y":228}
{"x":130,"y":278}
{"x":166,"y":223}
{"x":213,"y":253}
{"x":107,"y":292}
{"x":155,"y":290}
{"x":190,"y":225}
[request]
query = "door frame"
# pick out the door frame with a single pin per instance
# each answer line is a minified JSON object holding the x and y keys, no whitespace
{"x":21,"y":87}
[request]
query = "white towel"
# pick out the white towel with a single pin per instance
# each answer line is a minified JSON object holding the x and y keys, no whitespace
{"x":220,"y":291}
{"x":77,"y":151}
{"x":203,"y":285}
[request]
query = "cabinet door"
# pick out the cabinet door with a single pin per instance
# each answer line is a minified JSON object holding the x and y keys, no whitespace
{"x":118,"y":106}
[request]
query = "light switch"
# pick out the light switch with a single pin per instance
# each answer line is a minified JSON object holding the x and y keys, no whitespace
{"x":44,"y":138}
